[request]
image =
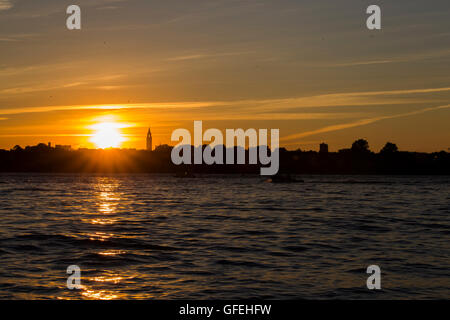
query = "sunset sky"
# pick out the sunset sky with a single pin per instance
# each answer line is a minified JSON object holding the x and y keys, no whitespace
{"x":308,"y":67}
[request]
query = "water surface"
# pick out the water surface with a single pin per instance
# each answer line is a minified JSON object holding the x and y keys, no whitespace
{"x":223,"y":237}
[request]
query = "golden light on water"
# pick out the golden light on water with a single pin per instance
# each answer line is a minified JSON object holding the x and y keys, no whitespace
{"x":99,"y":294}
{"x":102,"y":221}
{"x":112,"y":252}
{"x":98,"y":236}
{"x":114,"y":280}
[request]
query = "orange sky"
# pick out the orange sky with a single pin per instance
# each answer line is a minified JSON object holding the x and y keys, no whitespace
{"x":309,"y":68}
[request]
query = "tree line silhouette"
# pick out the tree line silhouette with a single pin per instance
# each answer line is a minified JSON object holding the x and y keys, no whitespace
{"x":355,"y":160}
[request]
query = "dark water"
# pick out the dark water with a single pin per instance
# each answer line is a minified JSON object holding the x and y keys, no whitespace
{"x":144,"y":236}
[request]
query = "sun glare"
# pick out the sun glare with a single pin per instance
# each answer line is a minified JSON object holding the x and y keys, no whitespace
{"x":107,"y":135}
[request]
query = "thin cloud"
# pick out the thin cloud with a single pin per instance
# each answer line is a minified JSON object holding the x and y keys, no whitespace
{"x":5,"y":5}
{"x":188,"y":57}
{"x":360,"y":123}
{"x":206,"y":55}
{"x":393,"y":92}
{"x":362,"y":63}
{"x":175,"y":105}
{"x":14,"y":71}
{"x":247,"y":108}
{"x":48,"y":87}
{"x":18,"y":37}
{"x":108,"y":8}
{"x":30,"y":89}
{"x":8,"y":39}
{"x":54,"y":8}
{"x":405,"y":58}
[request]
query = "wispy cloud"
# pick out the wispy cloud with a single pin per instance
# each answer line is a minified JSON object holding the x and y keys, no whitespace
{"x":206,"y":55}
{"x":82,"y":81}
{"x":360,"y":123}
{"x":398,"y":59}
{"x":39,"y":88}
{"x":248,"y":109}
{"x":50,"y":8}
{"x":14,"y":71}
{"x":8,"y":39}
{"x":107,"y":4}
{"x":108,"y":8}
{"x":175,"y":105}
{"x":5,"y":5}
{"x":18,"y":37}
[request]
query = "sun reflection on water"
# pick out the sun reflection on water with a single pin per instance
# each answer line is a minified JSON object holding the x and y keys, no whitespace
{"x":98,"y":236}
{"x":114,"y":280}
{"x":112,"y":252}
{"x":104,"y":285}
{"x":101,"y":221}
{"x":107,"y":200}
{"x":99,"y":294}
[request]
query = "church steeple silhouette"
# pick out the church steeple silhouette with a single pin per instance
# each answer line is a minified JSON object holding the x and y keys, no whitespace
{"x":149,"y":140}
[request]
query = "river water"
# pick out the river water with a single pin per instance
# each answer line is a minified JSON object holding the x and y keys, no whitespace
{"x":223,"y":237}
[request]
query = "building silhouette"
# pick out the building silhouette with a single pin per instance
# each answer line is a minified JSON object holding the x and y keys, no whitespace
{"x":63,"y":147}
{"x":323,"y":148}
{"x":63,"y":159}
{"x":149,"y":140}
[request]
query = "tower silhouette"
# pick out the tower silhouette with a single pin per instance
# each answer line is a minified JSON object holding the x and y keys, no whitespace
{"x":149,"y":140}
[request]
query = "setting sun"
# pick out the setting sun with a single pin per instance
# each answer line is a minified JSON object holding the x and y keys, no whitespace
{"x":107,"y":135}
